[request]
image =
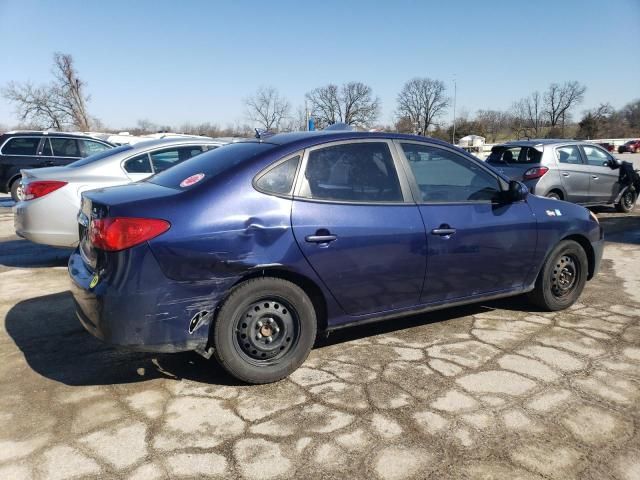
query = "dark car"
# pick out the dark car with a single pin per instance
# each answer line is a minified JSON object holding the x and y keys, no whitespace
{"x":32,"y":149}
{"x":248,"y":251}
{"x":632,"y":146}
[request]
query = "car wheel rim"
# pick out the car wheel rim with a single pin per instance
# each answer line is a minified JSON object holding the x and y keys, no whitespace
{"x":627,"y":200}
{"x":19,"y":191}
{"x":564,"y":276}
{"x":267,"y":331}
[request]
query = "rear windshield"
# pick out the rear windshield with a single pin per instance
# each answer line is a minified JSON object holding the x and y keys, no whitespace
{"x":99,"y":156}
{"x":211,"y":163}
{"x":514,"y":155}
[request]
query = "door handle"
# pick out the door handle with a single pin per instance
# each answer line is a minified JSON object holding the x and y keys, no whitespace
{"x":443,"y":231}
{"x":565,"y":174}
{"x":595,"y":177}
{"x":320,"y":238}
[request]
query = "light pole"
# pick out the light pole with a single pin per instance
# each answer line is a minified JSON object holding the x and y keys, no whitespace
{"x":455,"y":95}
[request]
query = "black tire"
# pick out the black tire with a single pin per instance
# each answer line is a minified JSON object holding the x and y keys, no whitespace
{"x":627,"y":202}
{"x":562,"y":278}
{"x":264,"y":330}
{"x":554,"y":195}
{"x":15,"y":186}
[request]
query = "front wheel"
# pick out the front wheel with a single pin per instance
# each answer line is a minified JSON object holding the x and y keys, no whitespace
{"x":562,"y":278}
{"x":264,"y":330}
{"x":627,"y":202}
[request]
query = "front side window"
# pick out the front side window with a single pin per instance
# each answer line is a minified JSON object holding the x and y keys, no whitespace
{"x":138,"y":164}
{"x":596,"y":157}
{"x":352,"y":172}
{"x":445,"y":176}
{"x":279,"y":179}
{"x":569,"y":154}
{"x":65,"y":147}
{"x":21,"y":146}
{"x":89,"y":147}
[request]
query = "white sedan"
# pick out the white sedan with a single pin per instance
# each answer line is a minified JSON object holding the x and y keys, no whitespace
{"x":51,"y":196}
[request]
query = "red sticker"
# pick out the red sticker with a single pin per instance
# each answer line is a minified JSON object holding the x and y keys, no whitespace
{"x":187,"y":182}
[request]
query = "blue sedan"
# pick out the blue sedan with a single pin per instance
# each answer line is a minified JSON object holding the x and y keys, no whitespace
{"x":248,"y":251}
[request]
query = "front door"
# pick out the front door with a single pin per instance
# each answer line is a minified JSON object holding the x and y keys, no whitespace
{"x":358,"y":228}
{"x":476,"y":244}
{"x":604,"y":186}
{"x":574,"y":173}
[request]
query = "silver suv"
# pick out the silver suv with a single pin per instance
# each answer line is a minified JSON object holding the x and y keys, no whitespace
{"x":578,"y":172}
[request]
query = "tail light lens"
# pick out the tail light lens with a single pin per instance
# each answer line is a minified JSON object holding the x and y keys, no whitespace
{"x":41,"y":188}
{"x":120,"y":233}
{"x":535,"y":172}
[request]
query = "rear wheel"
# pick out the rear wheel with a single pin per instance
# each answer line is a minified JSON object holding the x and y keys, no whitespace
{"x":627,"y":202}
{"x":16,"y":189}
{"x":264,"y":330}
{"x":554,"y":195}
{"x":562,"y":278}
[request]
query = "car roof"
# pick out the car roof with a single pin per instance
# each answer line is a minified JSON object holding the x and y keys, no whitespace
{"x":18,"y":133}
{"x":534,"y":142}
{"x":322,"y":136}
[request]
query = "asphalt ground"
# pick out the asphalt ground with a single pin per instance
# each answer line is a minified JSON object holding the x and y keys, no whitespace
{"x":494,"y":391}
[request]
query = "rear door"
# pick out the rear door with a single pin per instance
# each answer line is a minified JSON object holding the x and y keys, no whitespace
{"x":603,"y":185}
{"x":574,"y":173}
{"x":476,"y":245}
{"x":357,"y":226}
{"x":64,"y":150}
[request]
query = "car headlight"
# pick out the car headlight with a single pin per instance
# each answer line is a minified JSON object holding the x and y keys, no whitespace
{"x":594,"y":216}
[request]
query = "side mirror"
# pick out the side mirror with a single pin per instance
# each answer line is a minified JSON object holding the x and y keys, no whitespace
{"x":517,"y":191}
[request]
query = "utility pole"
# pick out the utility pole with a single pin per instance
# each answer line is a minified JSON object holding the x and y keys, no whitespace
{"x":455,"y":95}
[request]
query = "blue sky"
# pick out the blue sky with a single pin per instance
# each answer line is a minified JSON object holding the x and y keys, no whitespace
{"x":173,"y":62}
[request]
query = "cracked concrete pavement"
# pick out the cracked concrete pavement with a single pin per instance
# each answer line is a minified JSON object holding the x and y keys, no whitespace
{"x":492,"y":391}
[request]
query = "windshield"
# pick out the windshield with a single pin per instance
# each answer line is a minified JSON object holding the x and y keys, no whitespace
{"x":210,"y":164}
{"x":514,"y":155}
{"x":99,"y":156}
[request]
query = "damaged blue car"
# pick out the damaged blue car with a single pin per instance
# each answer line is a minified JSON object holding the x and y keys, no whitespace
{"x":247,"y":252}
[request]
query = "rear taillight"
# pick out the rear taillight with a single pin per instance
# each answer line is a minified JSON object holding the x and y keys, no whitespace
{"x":119,"y":233}
{"x":535,"y":172}
{"x":41,"y":188}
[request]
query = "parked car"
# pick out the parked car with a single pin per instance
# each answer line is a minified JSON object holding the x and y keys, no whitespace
{"x":33,"y":149}
{"x":51,"y":196}
{"x":578,"y":172}
{"x":609,"y":147}
{"x":246,"y":252}
{"x":632,"y":146}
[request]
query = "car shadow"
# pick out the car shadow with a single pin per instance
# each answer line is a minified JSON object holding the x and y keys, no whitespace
{"x":622,"y":228}
{"x":57,"y":347}
{"x":26,"y":254}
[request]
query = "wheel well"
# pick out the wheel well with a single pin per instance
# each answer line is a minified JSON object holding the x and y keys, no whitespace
{"x":310,"y":288}
{"x":11,"y":180}
{"x":557,"y":191}
{"x":588,"y":249}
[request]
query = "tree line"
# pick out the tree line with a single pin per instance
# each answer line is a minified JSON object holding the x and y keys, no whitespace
{"x":421,"y":105}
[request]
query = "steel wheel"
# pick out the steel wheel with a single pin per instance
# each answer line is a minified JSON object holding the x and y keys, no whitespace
{"x":267,"y":331}
{"x":564,"y":275}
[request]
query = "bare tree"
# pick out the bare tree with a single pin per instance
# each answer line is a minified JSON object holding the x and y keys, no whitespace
{"x":422,"y":101}
{"x":57,"y":105}
{"x":352,"y":103}
{"x":267,"y":108}
{"x":560,"y":99}
{"x":528,"y":116}
{"x":491,"y":123}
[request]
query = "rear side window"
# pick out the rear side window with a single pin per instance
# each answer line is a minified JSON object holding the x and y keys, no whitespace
{"x":138,"y":164}
{"x":514,"y":155}
{"x":569,"y":154}
{"x":352,"y":172}
{"x":21,"y":146}
{"x":65,"y":147}
{"x":279,"y":179}
{"x":211,"y":163}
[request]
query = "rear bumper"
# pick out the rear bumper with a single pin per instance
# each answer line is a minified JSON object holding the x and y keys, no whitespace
{"x":49,"y":220}
{"x":137,"y":307}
